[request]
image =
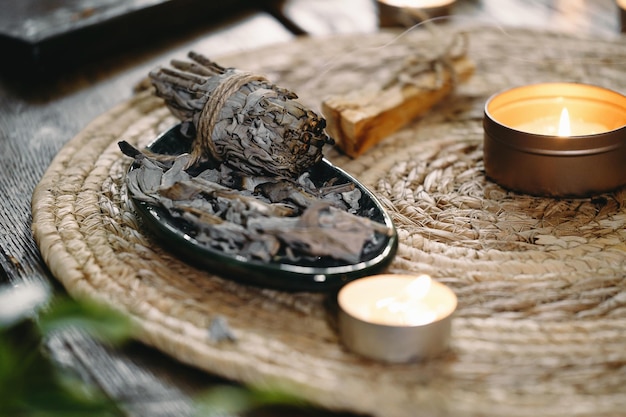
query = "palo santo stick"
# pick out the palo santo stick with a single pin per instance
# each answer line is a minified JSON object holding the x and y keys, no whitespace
{"x":362,"y":119}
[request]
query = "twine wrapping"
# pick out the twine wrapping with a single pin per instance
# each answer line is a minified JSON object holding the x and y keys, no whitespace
{"x":210,"y":114}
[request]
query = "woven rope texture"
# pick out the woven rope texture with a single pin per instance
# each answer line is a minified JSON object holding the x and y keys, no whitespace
{"x":541,"y":325}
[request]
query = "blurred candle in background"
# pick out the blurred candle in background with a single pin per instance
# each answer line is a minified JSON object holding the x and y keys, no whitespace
{"x":409,"y":12}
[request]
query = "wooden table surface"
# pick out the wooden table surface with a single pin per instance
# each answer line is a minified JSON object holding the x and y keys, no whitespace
{"x":43,"y":108}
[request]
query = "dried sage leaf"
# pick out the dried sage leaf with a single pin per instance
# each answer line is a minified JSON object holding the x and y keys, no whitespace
{"x":279,"y":219}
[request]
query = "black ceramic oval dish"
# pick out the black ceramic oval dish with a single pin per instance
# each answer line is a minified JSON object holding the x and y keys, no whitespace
{"x":319,"y":274}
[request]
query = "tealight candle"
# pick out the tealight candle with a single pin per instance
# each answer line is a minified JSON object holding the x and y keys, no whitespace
{"x":396,"y":318}
{"x":556,"y":139}
{"x":408,"y":12}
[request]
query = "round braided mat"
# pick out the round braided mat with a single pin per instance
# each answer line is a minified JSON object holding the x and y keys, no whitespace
{"x":541,"y":325}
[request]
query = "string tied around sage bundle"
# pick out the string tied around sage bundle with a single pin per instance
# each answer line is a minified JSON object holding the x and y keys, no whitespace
{"x":204,"y":145}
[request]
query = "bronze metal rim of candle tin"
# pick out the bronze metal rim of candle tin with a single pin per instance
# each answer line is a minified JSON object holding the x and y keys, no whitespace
{"x":554,"y":166}
{"x":392,"y":343}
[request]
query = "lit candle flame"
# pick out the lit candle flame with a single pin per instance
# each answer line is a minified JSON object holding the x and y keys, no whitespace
{"x":418,"y":288}
{"x":408,"y":305}
{"x":565,"y":128}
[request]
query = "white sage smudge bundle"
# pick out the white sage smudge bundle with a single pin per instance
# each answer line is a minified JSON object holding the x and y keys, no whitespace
{"x":245,"y":187}
{"x":241,"y":119}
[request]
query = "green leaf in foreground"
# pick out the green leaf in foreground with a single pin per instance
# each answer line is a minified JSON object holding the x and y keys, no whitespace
{"x":228,"y":400}
{"x":101,"y":322}
{"x":31,"y":384}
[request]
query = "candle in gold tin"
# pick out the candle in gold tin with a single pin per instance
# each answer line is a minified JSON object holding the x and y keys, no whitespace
{"x":556,"y":139}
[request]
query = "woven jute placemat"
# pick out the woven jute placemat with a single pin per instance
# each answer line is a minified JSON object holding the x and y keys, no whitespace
{"x":541,"y":325}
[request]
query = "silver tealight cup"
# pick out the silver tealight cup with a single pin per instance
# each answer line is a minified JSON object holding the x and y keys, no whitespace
{"x":396,"y":318}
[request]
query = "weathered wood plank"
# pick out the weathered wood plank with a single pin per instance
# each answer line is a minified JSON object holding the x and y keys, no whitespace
{"x":44,"y":36}
{"x":325,"y":17}
{"x":141,"y":380}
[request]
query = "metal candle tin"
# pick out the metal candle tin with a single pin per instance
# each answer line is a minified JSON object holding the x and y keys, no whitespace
{"x":409,"y":12}
{"x":383,"y":338}
{"x":548,"y":164}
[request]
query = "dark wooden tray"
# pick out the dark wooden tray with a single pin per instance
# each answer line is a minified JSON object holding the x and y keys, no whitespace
{"x":40,"y":36}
